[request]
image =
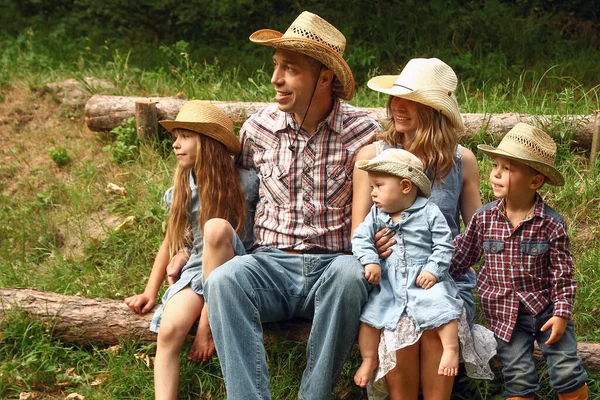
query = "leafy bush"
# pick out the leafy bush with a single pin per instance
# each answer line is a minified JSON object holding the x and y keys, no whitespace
{"x":60,"y":156}
{"x":125,"y":147}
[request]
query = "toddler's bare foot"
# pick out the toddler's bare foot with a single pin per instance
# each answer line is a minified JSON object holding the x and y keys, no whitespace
{"x":449,"y":362}
{"x":202,"y":349}
{"x":365,"y":371}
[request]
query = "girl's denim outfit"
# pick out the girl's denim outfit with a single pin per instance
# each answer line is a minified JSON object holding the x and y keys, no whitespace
{"x":191,"y":273}
{"x":422,"y":244}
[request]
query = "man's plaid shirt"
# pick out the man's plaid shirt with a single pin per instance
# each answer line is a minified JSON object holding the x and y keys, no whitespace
{"x":305,"y":191}
{"x":531,"y":264}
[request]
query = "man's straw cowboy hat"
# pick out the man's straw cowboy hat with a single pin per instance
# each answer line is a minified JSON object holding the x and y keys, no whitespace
{"x":206,"y":119}
{"x":311,"y":35}
{"x":530,"y":146}
{"x":427,"y":81}
{"x":402,"y":164}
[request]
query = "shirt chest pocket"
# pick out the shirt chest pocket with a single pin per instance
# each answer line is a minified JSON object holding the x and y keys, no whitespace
{"x":339,"y":185}
{"x":494,"y":247}
{"x":276,"y":184}
{"x":534,"y":249}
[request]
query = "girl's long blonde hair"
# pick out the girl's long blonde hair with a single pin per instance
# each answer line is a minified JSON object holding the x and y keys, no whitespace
{"x":219,"y":191}
{"x":435,"y":141}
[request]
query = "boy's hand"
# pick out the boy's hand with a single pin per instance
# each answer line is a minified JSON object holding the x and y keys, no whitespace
{"x":140,"y":303}
{"x":373,"y":273}
{"x":175,"y":265}
{"x":558,"y":326}
{"x":426,"y":280}
{"x":383,"y":242}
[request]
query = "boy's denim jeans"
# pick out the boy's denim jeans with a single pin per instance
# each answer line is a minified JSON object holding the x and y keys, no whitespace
{"x":564,"y":365}
{"x":271,"y":285}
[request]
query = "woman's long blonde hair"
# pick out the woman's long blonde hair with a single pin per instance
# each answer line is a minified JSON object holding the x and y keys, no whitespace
{"x":219,"y":191}
{"x":435,"y":141}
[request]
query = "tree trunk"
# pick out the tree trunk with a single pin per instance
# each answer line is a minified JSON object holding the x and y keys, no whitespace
{"x":81,"y":320}
{"x":103,"y":113}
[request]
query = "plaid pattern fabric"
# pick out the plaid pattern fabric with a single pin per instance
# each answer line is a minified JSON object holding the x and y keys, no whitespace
{"x":531,"y":264}
{"x":305,"y":186}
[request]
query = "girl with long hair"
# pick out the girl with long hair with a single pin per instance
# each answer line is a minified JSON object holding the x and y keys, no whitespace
{"x":206,"y":185}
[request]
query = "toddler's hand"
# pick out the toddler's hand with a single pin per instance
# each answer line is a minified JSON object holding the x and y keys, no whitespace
{"x":175,"y":265}
{"x":558,"y":326}
{"x":426,"y":280}
{"x":373,"y":273}
{"x":141,"y":303}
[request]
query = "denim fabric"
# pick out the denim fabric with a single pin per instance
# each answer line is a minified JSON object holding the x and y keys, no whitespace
{"x":422,"y":244}
{"x":271,"y":285}
{"x":446,"y":195}
{"x":565,"y":368}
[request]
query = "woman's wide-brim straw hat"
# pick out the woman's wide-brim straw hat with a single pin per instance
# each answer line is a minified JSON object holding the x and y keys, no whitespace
{"x":206,"y":119}
{"x":427,"y":81}
{"x":530,"y":146}
{"x":402,"y":164}
{"x":311,"y":35}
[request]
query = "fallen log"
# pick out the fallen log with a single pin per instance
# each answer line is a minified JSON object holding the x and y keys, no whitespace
{"x":103,"y":113}
{"x":81,"y":320}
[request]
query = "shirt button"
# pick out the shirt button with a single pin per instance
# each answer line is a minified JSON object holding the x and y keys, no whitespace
{"x":493,"y":248}
{"x":534,"y":250}
{"x":307,"y":197}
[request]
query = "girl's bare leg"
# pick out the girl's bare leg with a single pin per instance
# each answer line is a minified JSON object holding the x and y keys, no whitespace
{"x":435,"y":387}
{"x":368,"y":342}
{"x":203,"y":347}
{"x":449,"y":337}
{"x":178,"y":317}
{"x":403,"y":380}
{"x":218,"y":235}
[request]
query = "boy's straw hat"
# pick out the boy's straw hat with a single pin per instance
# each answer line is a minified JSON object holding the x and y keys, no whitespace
{"x":311,"y":35}
{"x":206,"y":119}
{"x":427,"y":81}
{"x":532,"y":147}
{"x":401,"y":163}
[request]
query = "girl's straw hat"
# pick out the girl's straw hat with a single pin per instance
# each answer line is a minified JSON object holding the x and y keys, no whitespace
{"x":401,"y":163}
{"x":206,"y":119}
{"x":311,"y":35}
{"x":532,"y":147}
{"x":427,"y":81}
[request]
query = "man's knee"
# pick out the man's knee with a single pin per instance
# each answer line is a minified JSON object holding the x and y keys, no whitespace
{"x":347,"y":274}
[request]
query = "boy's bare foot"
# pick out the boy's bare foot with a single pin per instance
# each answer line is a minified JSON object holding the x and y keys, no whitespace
{"x":202,"y":349}
{"x":449,"y":362}
{"x":365,"y":371}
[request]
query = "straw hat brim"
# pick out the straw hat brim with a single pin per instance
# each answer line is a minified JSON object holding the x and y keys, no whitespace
{"x":435,"y":97}
{"x":210,"y":129}
{"x":401,"y":170}
{"x":553,"y":176}
{"x":314,"y":49}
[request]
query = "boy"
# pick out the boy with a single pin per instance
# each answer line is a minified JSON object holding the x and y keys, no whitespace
{"x":525,"y":284}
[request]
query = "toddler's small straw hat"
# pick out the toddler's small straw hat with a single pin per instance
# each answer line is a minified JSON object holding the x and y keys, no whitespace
{"x":532,"y":147}
{"x":427,"y":81}
{"x":311,"y":35}
{"x":401,"y":163}
{"x":206,"y":119}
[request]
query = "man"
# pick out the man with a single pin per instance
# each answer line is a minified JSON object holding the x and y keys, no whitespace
{"x":303,"y":150}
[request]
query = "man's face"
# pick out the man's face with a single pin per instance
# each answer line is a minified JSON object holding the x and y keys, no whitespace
{"x":294,"y":81}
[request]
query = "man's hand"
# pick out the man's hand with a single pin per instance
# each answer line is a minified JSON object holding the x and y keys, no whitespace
{"x":141,"y":303}
{"x":558,"y":326}
{"x":426,"y":280}
{"x":383,"y":242}
{"x":175,"y":265}
{"x":373,"y":273}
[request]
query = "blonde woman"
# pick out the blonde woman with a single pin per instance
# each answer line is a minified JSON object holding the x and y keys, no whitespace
{"x":424,"y":119}
{"x":206,"y":185}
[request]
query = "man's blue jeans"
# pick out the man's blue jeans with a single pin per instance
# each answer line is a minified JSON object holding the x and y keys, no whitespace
{"x":564,"y":365}
{"x":271,"y":285}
